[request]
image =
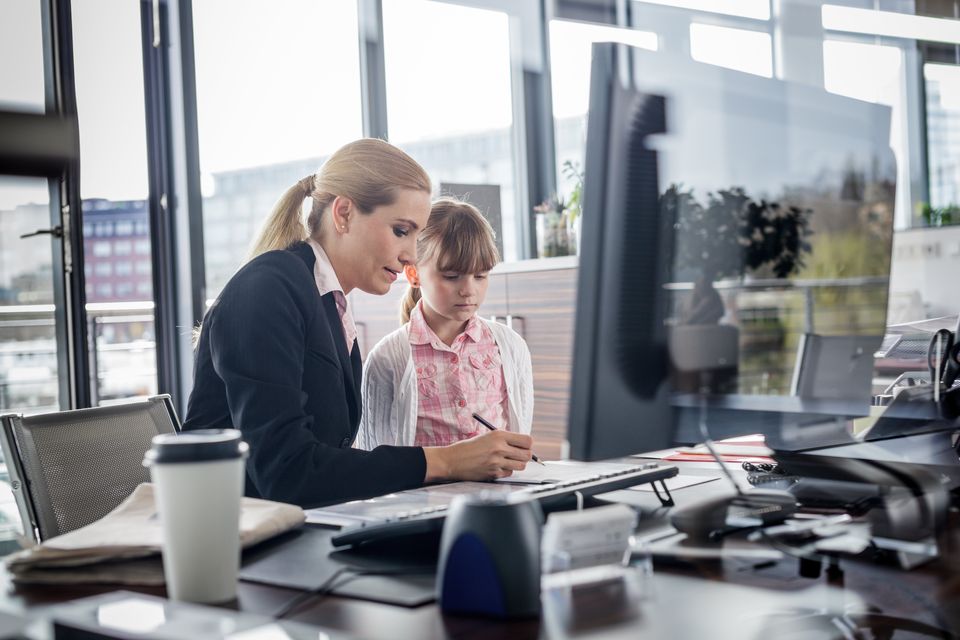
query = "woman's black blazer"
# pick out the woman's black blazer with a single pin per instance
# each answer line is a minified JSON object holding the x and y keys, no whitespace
{"x":272,"y":361}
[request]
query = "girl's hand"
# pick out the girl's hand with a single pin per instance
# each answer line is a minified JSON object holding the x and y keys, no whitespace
{"x":491,"y":455}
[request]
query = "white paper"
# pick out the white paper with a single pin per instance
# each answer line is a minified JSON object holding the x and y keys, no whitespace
{"x":563,"y":470}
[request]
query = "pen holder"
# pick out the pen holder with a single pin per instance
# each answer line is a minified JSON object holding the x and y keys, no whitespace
{"x":490,"y":557}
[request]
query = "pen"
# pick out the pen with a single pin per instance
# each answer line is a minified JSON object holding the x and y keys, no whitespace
{"x":479,"y":419}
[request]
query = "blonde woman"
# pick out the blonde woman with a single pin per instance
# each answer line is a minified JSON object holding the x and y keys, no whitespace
{"x":424,"y":383}
{"x":277,"y":356}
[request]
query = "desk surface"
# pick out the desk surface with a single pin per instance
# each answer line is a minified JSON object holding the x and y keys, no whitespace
{"x":716,"y":599}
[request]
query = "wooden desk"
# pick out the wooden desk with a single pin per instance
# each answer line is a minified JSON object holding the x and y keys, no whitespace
{"x":712,"y":599}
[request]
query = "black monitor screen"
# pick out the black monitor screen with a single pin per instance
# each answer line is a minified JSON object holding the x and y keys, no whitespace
{"x":735,"y":254}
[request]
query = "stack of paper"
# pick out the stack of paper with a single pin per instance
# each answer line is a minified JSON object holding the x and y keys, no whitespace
{"x":124,"y":546}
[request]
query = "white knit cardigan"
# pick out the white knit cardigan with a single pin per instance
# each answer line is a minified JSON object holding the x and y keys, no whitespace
{"x":390,"y":399}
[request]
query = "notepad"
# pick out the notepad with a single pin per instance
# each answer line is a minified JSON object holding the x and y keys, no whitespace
{"x":562,"y":471}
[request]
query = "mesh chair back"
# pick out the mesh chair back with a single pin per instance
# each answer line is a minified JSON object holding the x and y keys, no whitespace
{"x":77,"y":466}
{"x":834,"y":367}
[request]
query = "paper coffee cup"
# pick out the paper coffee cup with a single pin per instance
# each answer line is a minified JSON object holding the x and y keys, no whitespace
{"x":198,"y":478}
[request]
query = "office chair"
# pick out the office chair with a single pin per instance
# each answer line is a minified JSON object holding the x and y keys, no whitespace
{"x":834,"y":367}
{"x":704,"y":355}
{"x":70,"y":468}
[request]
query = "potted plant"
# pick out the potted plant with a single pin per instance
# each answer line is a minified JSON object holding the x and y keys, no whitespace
{"x":558,"y":220}
{"x":727,"y":237}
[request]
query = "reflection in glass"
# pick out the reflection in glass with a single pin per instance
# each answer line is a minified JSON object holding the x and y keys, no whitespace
{"x":136,"y":616}
{"x":782,"y":197}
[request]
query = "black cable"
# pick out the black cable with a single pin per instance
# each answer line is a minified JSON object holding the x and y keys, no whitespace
{"x":306,"y":595}
{"x":327,"y":587}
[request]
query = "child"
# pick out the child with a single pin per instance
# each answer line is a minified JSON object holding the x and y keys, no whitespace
{"x":423,"y":382}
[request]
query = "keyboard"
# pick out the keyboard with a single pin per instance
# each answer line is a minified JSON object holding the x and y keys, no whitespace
{"x":551,"y":496}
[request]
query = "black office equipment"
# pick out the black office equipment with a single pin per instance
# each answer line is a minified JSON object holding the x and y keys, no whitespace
{"x":619,"y":396}
{"x":550,"y":497}
{"x":398,"y":572}
{"x":707,"y":191}
{"x":704,"y":519}
{"x":490,"y":557}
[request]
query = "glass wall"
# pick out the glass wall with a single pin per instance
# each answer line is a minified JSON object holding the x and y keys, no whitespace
{"x":942,"y":84}
{"x":570,"y":51}
{"x":278,"y":89}
{"x":449,"y":102}
{"x":28,"y":345}
{"x":114,"y":187}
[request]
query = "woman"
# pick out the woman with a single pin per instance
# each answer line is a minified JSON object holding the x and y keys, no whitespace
{"x":277,"y":356}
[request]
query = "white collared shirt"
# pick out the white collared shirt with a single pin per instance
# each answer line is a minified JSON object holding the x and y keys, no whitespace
{"x":327,"y":282}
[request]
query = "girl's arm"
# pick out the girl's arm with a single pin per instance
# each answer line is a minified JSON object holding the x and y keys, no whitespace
{"x":525,"y":373}
{"x":379,"y":418}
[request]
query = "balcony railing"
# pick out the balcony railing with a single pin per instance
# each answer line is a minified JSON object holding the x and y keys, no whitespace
{"x":122,"y":354}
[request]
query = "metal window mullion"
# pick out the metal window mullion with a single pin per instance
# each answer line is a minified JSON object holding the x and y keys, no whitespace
{"x":186,"y":202}
{"x":66,"y":211}
{"x":161,"y":229}
{"x":373,"y":79}
{"x":533,"y":120}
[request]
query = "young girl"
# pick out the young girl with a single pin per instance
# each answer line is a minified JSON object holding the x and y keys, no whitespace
{"x":423,"y":382}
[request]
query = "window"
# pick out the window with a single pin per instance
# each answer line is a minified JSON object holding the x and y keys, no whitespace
{"x":570,"y":51}
{"x":21,"y":63}
{"x":124,"y":267}
{"x":28,"y":344}
{"x":943,"y":138}
{"x":113,"y":156}
{"x":103,"y":269}
{"x":269,"y":114}
{"x":873,"y":73}
{"x":759,"y":9}
{"x":738,"y":49}
{"x":142,"y":247}
{"x":143,"y":267}
{"x":449,"y":100}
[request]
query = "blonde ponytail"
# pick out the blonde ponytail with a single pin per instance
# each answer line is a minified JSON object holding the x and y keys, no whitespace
{"x":409,"y":301}
{"x":285,"y":225}
{"x":368,"y":171}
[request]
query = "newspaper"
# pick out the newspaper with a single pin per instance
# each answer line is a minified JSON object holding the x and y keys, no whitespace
{"x":124,"y":546}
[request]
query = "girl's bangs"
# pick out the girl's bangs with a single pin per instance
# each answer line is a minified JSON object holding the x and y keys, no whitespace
{"x":467,"y":248}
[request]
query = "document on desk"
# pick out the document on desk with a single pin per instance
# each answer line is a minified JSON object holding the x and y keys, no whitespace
{"x":562,"y":471}
{"x":389,"y":506}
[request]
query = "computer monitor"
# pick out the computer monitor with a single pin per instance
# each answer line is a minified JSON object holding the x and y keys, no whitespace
{"x":725,"y":216}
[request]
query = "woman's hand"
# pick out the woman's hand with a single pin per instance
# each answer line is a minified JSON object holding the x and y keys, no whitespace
{"x":495,"y":454}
